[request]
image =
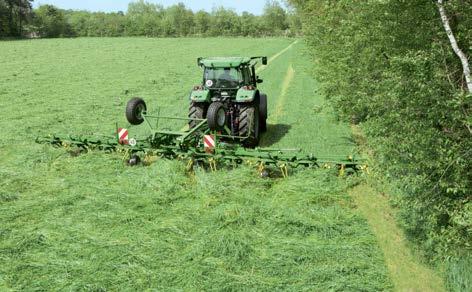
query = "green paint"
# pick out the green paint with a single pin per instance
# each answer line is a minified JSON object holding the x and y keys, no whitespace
{"x":225,"y":62}
{"x":245,"y":95}
{"x":200,"y":95}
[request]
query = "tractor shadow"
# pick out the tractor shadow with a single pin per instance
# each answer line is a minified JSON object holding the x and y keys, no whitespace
{"x":274,"y":134}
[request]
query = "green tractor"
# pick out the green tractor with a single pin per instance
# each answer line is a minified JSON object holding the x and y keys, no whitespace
{"x":228,"y":98}
{"x":226,"y":111}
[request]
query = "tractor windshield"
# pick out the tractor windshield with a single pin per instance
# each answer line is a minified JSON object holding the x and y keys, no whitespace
{"x":222,"y":77}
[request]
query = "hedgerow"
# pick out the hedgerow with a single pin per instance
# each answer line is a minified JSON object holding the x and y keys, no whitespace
{"x":389,"y":66}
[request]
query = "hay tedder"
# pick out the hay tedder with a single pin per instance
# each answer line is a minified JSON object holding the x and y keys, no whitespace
{"x":226,"y":118}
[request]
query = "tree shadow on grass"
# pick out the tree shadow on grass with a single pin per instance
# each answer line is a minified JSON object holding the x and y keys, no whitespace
{"x":274,"y":134}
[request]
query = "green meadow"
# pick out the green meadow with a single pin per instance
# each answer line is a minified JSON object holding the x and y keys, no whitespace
{"x":92,"y":223}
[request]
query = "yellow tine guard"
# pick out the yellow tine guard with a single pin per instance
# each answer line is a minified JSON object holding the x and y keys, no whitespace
{"x":342,"y":171}
{"x":212,"y":163}
{"x":190,"y":164}
{"x":261,"y":167}
{"x":284,"y":170}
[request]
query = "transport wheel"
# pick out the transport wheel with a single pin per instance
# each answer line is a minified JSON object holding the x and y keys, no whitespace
{"x":249,"y":125}
{"x":196,"y":111}
{"x":134,"y":110}
{"x":134,"y":160}
{"x":263,"y":113}
{"x":216,"y":116}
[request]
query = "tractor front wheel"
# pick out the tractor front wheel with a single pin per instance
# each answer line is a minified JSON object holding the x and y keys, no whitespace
{"x":135,"y":109}
{"x":249,"y":125}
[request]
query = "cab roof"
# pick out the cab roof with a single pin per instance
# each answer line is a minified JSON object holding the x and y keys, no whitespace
{"x":224,"y":62}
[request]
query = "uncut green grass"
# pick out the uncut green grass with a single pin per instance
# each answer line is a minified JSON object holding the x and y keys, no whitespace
{"x":306,"y":121}
{"x":91,"y":223}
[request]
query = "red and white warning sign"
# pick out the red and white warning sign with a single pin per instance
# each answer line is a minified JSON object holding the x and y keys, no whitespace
{"x":209,"y":142}
{"x":123,"y":136}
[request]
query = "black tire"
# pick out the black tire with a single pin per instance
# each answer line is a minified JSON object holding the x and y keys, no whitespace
{"x":263,"y":113}
{"x":134,"y":110}
{"x":134,"y":160}
{"x":249,"y":125}
{"x":196,"y":111}
{"x":216,"y":116}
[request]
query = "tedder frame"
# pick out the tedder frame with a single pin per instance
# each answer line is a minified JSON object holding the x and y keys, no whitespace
{"x":201,"y":146}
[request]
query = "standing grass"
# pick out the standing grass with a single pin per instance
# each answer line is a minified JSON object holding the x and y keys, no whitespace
{"x":299,"y":117}
{"x":91,"y":223}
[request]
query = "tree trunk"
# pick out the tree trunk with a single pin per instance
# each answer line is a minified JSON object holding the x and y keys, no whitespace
{"x":10,"y":20}
{"x":455,"y":46}
{"x":20,"y":22}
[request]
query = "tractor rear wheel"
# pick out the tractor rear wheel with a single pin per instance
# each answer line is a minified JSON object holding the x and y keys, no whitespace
{"x":263,"y":113}
{"x":196,"y":111}
{"x":249,"y":125}
{"x":216,"y":116}
{"x":134,"y":111}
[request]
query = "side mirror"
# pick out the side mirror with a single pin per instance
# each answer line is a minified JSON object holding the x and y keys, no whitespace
{"x":199,"y":61}
{"x":264,"y":61}
{"x":259,"y":80}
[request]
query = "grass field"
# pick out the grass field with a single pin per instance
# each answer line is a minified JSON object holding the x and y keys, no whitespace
{"x":91,"y":223}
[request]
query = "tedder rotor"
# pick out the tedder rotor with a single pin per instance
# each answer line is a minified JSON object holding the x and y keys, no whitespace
{"x":227,"y":114}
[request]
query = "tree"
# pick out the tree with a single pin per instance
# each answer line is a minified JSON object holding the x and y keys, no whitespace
{"x":224,"y":22}
{"x":294,"y":23}
{"x":275,"y":17}
{"x":14,"y":14}
{"x":202,"y":22}
{"x":452,"y":39}
{"x":4,"y":29}
{"x":79,"y":22}
{"x":23,"y":13}
{"x":50,"y":21}
{"x":179,"y":20}
{"x":249,"y":24}
{"x":389,"y":65}
{"x":144,"y":19}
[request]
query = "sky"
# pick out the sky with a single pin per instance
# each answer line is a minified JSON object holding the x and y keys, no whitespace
{"x":253,"y":6}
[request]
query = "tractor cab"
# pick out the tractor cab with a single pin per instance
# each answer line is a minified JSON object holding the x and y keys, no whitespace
{"x":222,"y":78}
{"x":230,"y":72}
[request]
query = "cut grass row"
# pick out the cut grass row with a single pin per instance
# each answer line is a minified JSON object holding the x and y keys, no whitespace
{"x":200,"y":232}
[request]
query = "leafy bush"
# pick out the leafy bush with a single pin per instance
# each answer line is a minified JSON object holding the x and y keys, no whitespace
{"x":389,"y":65}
